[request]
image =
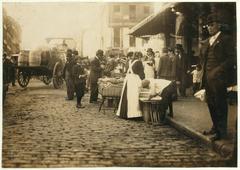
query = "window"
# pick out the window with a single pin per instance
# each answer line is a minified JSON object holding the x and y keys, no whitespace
{"x":116,"y":8}
{"x":132,"y":41}
{"x":146,"y":9}
{"x":116,"y":37}
{"x":132,"y":11}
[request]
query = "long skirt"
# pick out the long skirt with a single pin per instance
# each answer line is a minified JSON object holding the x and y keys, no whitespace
{"x":129,"y":106}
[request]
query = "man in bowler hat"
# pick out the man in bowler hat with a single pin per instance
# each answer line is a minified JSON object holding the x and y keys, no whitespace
{"x":217,"y":58}
{"x":68,"y":75}
{"x":182,"y":67}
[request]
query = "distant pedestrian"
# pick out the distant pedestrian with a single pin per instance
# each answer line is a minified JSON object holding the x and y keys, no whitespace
{"x":7,"y":68}
{"x":196,"y":78}
{"x":164,"y":65}
{"x":75,"y":55}
{"x":172,"y":65}
{"x":79,"y":78}
{"x":95,"y":73}
{"x":156,"y":60}
{"x":13,"y":70}
{"x":182,"y":68}
{"x":68,"y":75}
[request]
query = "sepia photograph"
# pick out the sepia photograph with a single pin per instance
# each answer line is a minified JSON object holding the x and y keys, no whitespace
{"x":119,"y":84}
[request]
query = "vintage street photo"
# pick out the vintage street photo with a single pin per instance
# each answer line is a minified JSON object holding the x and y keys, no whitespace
{"x":119,"y":84}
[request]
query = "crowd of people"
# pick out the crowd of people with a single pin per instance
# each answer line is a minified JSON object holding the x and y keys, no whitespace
{"x":171,"y":65}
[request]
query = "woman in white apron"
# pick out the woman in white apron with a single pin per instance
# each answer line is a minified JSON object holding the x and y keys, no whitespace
{"x":149,"y":68}
{"x":129,"y":102}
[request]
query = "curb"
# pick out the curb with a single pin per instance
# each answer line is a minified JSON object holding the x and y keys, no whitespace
{"x":223,"y":148}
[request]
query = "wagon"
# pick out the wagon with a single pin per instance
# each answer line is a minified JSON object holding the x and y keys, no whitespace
{"x":48,"y":65}
{"x":25,"y":73}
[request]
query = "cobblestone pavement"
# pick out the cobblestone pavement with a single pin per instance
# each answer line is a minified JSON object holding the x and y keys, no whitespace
{"x":41,"y":129}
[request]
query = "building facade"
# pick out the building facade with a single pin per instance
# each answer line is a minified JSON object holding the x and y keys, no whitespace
{"x":119,"y":19}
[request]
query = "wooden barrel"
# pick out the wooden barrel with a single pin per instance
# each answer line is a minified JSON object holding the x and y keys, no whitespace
{"x":45,"y":57}
{"x":23,"y":58}
{"x":35,"y":58}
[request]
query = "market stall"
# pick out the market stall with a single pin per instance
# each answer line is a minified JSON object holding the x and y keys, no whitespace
{"x":155,"y":98}
{"x":110,"y":89}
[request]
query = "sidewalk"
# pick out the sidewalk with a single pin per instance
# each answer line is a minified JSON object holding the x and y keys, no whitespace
{"x":191,"y":116}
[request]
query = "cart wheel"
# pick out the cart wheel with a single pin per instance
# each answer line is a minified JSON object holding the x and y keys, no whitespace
{"x":57,"y":75}
{"x":23,"y":79}
{"x":46,"y":80}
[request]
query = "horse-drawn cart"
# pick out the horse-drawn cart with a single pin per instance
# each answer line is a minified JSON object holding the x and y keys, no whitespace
{"x":46,"y":75}
{"x":47,"y":63}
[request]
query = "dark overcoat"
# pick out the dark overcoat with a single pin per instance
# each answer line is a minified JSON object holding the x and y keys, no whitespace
{"x":218,"y":72}
{"x":95,"y":71}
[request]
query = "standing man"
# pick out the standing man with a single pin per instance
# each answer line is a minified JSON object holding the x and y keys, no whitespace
{"x":217,"y":58}
{"x":13,"y":70}
{"x":164,"y":65}
{"x":95,"y":73}
{"x":156,"y":60}
{"x":68,"y":75}
{"x":181,"y":68}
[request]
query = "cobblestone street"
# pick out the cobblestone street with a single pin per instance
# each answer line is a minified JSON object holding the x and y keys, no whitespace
{"x":42,"y":129}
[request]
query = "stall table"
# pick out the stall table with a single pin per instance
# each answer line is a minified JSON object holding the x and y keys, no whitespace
{"x":152,"y":110}
{"x":110,"y":91}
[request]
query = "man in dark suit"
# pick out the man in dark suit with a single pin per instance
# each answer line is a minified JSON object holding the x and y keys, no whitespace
{"x":164,"y":65}
{"x":68,"y":75}
{"x":217,"y":58}
{"x":182,"y":68}
{"x":95,"y":73}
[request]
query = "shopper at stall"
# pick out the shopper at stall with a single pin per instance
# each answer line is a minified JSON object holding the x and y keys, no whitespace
{"x":95,"y":73}
{"x":79,"y":78}
{"x":149,"y":64}
{"x":110,"y":65}
{"x":129,"y":101}
{"x":217,"y":59}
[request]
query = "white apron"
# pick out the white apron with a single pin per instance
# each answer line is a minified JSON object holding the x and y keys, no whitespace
{"x":133,"y":83}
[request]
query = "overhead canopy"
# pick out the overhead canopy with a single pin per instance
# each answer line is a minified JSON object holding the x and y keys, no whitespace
{"x":156,"y":23}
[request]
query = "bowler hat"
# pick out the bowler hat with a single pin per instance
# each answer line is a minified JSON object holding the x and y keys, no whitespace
{"x":69,"y":51}
{"x":149,"y":50}
{"x":75,"y":52}
{"x":213,"y":18}
{"x":99,"y":52}
{"x":165,"y":50}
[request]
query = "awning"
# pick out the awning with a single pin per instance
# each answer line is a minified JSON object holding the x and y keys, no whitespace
{"x":161,"y":22}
